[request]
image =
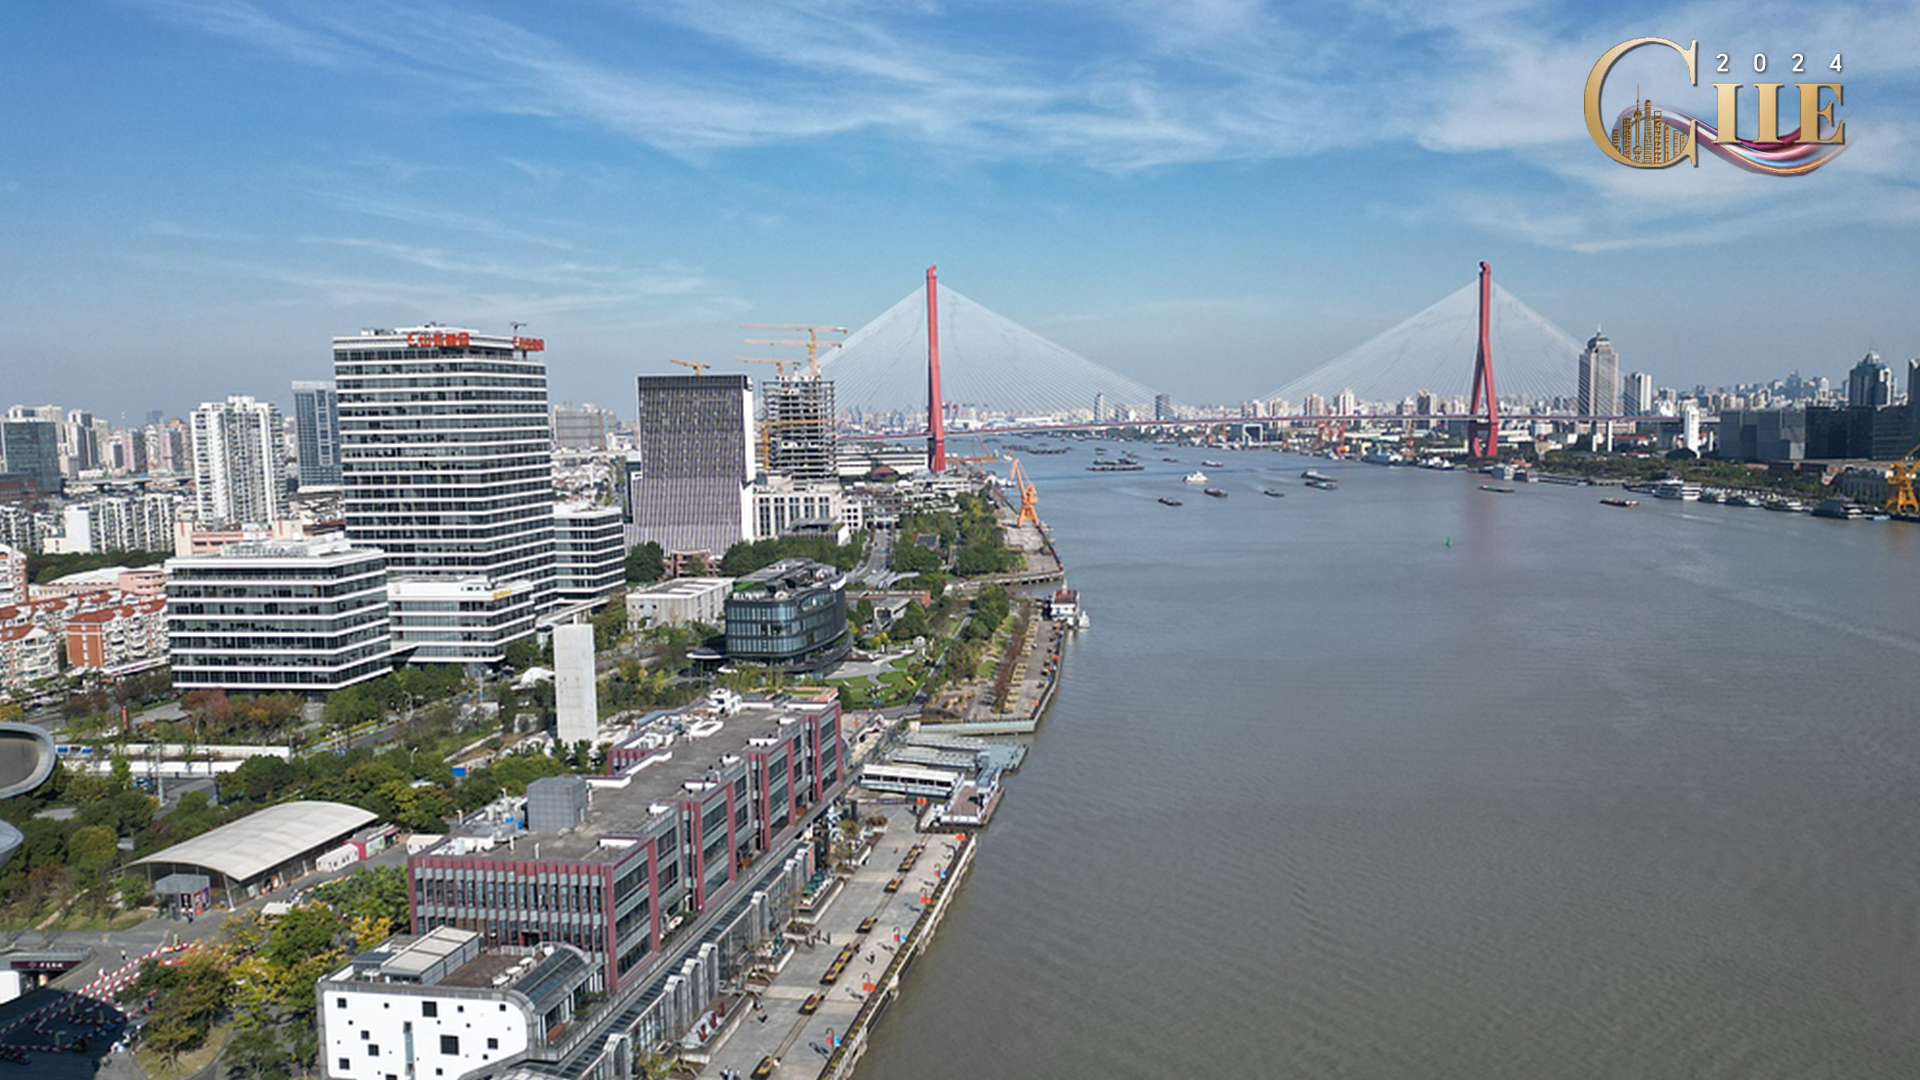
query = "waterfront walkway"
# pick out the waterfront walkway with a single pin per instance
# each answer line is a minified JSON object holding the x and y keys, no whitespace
{"x":805,"y":1044}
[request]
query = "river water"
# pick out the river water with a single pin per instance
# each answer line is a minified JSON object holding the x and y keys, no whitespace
{"x":1411,"y":780}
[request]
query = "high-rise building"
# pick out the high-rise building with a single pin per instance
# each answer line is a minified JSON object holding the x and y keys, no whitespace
{"x":446,"y":462}
{"x":1637,"y":397}
{"x":120,"y":523}
{"x":278,"y":616}
{"x":31,"y":448}
{"x":1870,"y":382}
{"x":690,"y":486}
{"x":1162,"y":407}
{"x":1346,"y":403}
{"x":238,"y":451}
{"x":1427,"y":403}
{"x":581,"y":427}
{"x":1099,"y":408}
{"x":316,"y":434}
{"x":79,"y":442}
{"x":797,"y":430}
{"x":1599,"y":378}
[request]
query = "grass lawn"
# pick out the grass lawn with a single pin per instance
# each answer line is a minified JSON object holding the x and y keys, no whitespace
{"x":190,"y":1062}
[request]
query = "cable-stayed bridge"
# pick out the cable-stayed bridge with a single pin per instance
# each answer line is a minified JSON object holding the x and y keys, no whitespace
{"x":1012,"y":379}
{"x":993,"y":365}
{"x":1432,"y":351}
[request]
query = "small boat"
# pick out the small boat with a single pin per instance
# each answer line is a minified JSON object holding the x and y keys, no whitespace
{"x":1164,"y":501}
{"x":1169,"y":459}
{"x":1323,"y":484}
{"x":1195,"y":477}
{"x":1496,"y":489}
{"x":1628,"y":503}
{"x":1216,"y":493}
{"x":1272,"y":494}
{"x":1212,"y":465}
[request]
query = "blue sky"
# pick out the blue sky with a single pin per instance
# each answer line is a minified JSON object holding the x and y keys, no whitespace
{"x":1211,"y":197}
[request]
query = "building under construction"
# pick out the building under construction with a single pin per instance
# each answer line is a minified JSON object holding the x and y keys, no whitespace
{"x":797,"y":435}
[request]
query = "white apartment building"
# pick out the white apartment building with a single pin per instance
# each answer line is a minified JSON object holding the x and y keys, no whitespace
{"x":239,"y":455}
{"x":283,"y":615}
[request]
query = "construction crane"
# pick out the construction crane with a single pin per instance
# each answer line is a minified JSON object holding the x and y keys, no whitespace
{"x":812,"y":344}
{"x":1900,"y":475}
{"x":699,"y":367}
{"x":1029,"y":498}
{"x":779,"y":365}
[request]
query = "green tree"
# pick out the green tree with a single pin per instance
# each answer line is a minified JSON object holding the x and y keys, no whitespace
{"x":91,"y":849}
{"x":646,"y":563}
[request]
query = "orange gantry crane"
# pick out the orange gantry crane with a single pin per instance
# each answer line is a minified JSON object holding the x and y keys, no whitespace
{"x":699,"y":367}
{"x":1029,"y":498}
{"x":1900,"y":499}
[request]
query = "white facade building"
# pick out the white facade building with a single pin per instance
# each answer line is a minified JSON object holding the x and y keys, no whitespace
{"x":239,"y":455}
{"x":459,"y":621}
{"x":781,"y":506}
{"x":438,"y":1005}
{"x":575,"y":699}
{"x":590,"y":549}
{"x":680,"y":601}
{"x":278,"y":616}
{"x":13,"y":575}
{"x":446,"y":460}
{"x":130,"y":523}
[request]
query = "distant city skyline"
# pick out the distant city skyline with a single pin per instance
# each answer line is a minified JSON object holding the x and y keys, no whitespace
{"x":1207,"y":198}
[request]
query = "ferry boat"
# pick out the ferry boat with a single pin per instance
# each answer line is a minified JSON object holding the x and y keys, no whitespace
{"x":1740,"y":499}
{"x":1216,"y":493}
{"x":1115,"y":466}
{"x":1164,"y":501}
{"x":1684,"y":490}
{"x":1212,"y":465}
{"x":1628,"y":503}
{"x":1195,"y":477}
{"x":1784,"y":505}
{"x":1838,"y":508}
{"x":1064,"y":606}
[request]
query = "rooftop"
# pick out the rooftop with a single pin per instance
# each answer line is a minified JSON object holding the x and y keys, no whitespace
{"x":257,"y":843}
{"x":690,"y":749}
{"x":787,"y":575}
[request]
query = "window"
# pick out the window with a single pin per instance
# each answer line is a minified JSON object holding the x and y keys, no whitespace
{"x":345,"y":1064}
{"x":340,"y":1002}
{"x":366,"y":1036}
{"x":372,"y":1050}
{"x":429,"y":1008}
{"x":493,"y":1044}
{"x":450,"y":1044}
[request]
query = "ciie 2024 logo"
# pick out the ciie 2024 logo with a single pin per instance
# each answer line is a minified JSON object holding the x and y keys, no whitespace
{"x":1646,"y":136}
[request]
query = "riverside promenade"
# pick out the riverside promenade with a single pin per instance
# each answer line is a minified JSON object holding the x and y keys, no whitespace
{"x":827,"y":1043}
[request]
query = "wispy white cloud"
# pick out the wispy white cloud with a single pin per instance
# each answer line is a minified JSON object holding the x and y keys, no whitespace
{"x":1115,"y":86}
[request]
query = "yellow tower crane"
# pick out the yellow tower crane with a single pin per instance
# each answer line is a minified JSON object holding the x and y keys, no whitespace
{"x":1029,"y":498}
{"x":699,"y":367}
{"x":1900,"y":484}
{"x":812,"y":344}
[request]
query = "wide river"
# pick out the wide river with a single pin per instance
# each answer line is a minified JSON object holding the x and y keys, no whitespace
{"x":1411,"y":780}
